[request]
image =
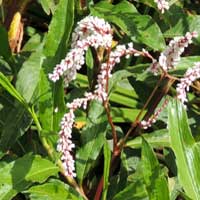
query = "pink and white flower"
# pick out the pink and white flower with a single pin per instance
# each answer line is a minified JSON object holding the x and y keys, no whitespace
{"x":183,"y":87}
{"x":162,"y":5}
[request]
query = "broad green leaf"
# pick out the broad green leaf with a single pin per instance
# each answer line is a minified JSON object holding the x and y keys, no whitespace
{"x":52,"y":190}
{"x":140,"y":28}
{"x":126,"y":115}
{"x":17,"y":121}
{"x":159,"y":138}
{"x":123,"y":6}
{"x":5,"y":83}
{"x":185,"y":24}
{"x":93,"y":139}
{"x":184,"y":64}
{"x":82,"y":80}
{"x":90,"y":66}
{"x":5,"y":67}
{"x":134,"y":191}
{"x":45,"y":102}
{"x":60,"y":29}
{"x":154,"y":178}
{"x":20,"y":174}
{"x":33,"y":43}
{"x":107,"y":159}
{"x":186,"y":150}
{"x":47,"y":5}
{"x":56,"y":44}
{"x":29,"y":74}
{"x":4,"y":47}
{"x":122,"y":91}
{"x":117,"y":77}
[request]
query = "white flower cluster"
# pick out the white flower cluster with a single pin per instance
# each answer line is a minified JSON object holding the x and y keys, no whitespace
{"x":148,"y":123}
{"x":106,"y":68}
{"x":191,"y":75}
{"x":95,"y":32}
{"x":171,"y":55}
{"x":65,"y":145}
{"x":91,"y":31}
{"x":162,"y":5}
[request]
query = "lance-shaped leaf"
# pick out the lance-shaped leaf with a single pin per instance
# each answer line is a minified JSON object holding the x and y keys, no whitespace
{"x":53,"y":190}
{"x":154,"y":178}
{"x":93,"y":138}
{"x":55,"y":48}
{"x":22,"y":173}
{"x":186,"y":150}
{"x":140,"y":28}
{"x":159,"y":138}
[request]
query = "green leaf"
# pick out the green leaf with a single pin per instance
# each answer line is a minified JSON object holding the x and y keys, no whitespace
{"x":159,"y":138}
{"x":186,"y":150}
{"x":5,"y":83}
{"x":134,"y":191}
{"x":17,"y":121}
{"x":183,"y":25}
{"x":5,"y":67}
{"x":55,"y":48}
{"x":126,"y":115}
{"x":140,"y":28}
{"x":47,"y":5}
{"x":33,"y":43}
{"x":184,"y":64}
{"x":4,"y":47}
{"x":155,"y":181}
{"x":123,"y":6}
{"x":16,"y":176}
{"x":45,"y":102}
{"x":107,"y":159}
{"x":53,"y":190}
{"x":93,"y":139}
{"x":90,"y":64}
{"x":60,"y":29}
{"x":28,"y":76}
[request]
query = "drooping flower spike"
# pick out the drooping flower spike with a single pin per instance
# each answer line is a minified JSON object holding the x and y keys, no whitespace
{"x":171,"y":55}
{"x":191,"y":75}
{"x":65,"y":144}
{"x":162,"y":5}
{"x":90,"y":32}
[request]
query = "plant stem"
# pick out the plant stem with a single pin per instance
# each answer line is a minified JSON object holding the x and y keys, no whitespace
{"x":114,"y":133}
{"x":135,"y":123}
{"x":49,"y":150}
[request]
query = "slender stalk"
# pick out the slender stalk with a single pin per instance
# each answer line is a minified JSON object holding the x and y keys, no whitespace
{"x":49,"y":150}
{"x":133,"y":126}
{"x":99,"y":189}
{"x":2,"y":13}
{"x":106,"y":105}
{"x":135,"y":123}
{"x":114,"y":133}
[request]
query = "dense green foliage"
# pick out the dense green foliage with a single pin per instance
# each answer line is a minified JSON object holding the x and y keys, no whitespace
{"x":160,"y":162}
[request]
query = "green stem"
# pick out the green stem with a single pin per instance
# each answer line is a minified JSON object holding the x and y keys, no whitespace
{"x":2,"y":13}
{"x":49,"y":150}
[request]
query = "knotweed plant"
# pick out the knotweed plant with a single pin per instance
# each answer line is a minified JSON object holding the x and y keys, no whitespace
{"x":97,"y":33}
{"x":94,"y":102}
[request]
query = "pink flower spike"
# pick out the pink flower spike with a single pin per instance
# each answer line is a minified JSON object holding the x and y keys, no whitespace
{"x":171,"y":55}
{"x":91,"y":31}
{"x":191,"y":75}
{"x":169,"y":58}
{"x":162,"y":5}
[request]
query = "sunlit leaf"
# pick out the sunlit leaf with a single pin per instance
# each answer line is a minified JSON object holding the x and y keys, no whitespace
{"x":186,"y":150}
{"x":22,"y":173}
